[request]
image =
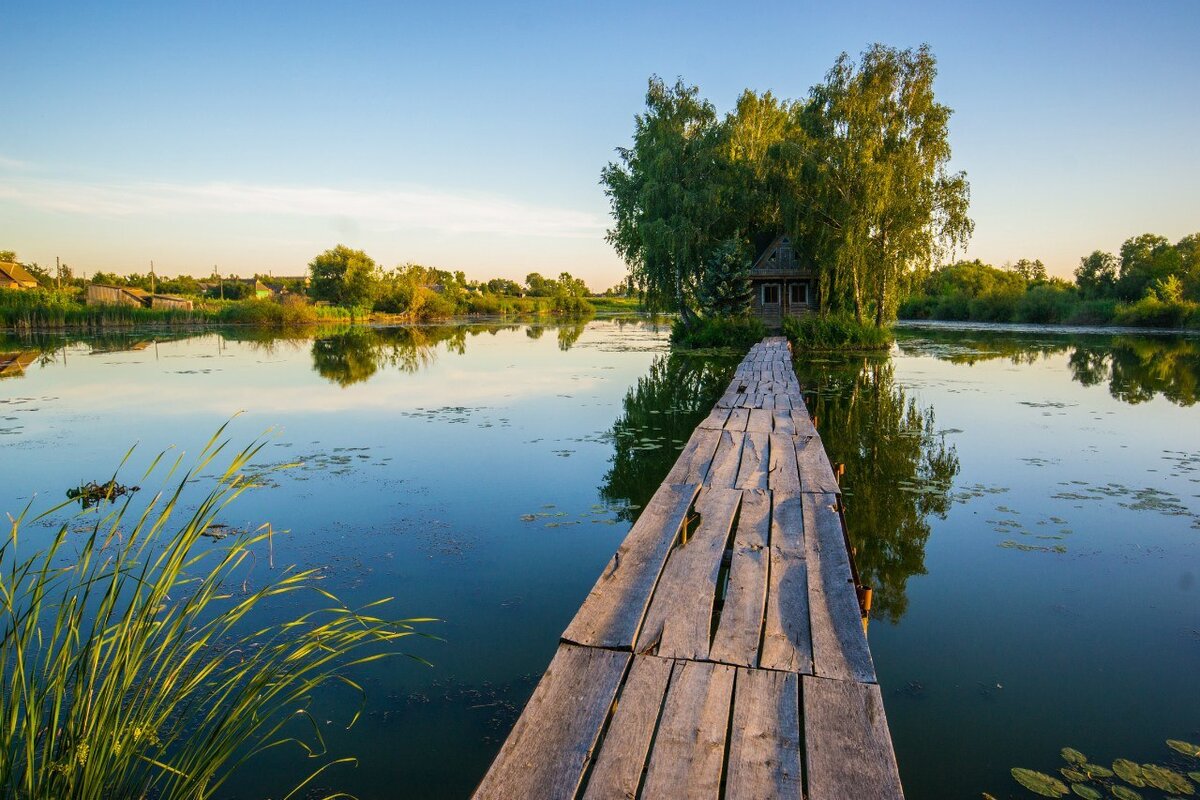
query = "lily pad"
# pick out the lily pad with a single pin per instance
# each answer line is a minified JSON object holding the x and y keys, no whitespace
{"x":1039,"y":782}
{"x":1096,"y":771}
{"x":1166,"y":779}
{"x":1073,"y":775}
{"x":1195,"y":776}
{"x":1121,"y":793}
{"x":1073,"y":756}
{"x":1085,"y":791}
{"x":1129,"y":772}
{"x":1187,"y":748}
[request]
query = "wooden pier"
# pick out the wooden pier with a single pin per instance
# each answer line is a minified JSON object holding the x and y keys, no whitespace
{"x":721,"y":653}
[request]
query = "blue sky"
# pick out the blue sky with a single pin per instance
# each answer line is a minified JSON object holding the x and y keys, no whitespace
{"x":471,"y":135}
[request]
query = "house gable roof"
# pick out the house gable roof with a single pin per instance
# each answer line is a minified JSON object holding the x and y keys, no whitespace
{"x":16,"y":272}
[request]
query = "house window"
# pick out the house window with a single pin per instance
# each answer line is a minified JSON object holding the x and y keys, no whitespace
{"x":798,"y":294}
{"x":770,"y":294}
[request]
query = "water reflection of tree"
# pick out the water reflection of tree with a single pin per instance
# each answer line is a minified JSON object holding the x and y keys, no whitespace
{"x":1136,"y":368}
{"x":898,"y":469}
{"x":659,"y":414}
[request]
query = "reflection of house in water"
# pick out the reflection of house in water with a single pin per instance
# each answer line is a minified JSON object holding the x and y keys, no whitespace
{"x":13,"y":365}
{"x":14,"y":276}
{"x":783,"y":285}
{"x":99,"y":295}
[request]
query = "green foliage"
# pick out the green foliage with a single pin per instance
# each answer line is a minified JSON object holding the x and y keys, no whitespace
{"x":344,"y":277}
{"x":857,"y":173}
{"x":834,"y":332}
{"x":868,"y":185}
{"x":1096,"y":275}
{"x":1046,"y":304}
{"x":1150,"y":312}
{"x":568,"y":296}
{"x":135,"y":668}
{"x":1145,"y":259}
{"x":665,"y":193}
{"x":972,"y":290}
{"x":285,"y":312}
{"x":736,"y":332}
{"x":725,"y":289}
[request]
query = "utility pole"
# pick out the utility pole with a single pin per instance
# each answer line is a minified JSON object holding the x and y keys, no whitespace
{"x":58,"y":273}
{"x":153,"y":283}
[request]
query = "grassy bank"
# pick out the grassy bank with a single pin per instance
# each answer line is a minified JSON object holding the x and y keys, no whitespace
{"x":42,"y":309}
{"x":737,"y":332}
{"x":1049,"y":305}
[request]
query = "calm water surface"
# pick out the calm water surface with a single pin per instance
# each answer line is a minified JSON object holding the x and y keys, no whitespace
{"x":1026,"y":507}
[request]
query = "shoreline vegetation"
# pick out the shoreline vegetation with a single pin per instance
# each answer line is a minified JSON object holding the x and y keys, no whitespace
{"x":342,"y":285}
{"x":186,"y":681}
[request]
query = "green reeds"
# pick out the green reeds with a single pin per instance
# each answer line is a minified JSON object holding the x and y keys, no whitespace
{"x":136,"y":666}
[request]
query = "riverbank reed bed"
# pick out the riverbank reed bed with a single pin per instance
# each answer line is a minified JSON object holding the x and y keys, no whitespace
{"x":834,"y":332}
{"x":42,"y":309}
{"x":134,"y":665}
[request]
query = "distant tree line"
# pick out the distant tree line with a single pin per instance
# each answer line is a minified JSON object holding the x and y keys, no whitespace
{"x":345,"y":277}
{"x":857,"y":173}
{"x":1151,"y":282}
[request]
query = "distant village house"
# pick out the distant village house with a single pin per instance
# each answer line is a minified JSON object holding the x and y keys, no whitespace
{"x":100,"y":295}
{"x":14,"y":276}
{"x":784,"y":286}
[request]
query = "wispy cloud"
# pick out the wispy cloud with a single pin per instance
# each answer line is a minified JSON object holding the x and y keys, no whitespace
{"x":404,"y":207}
{"x":12,"y":163}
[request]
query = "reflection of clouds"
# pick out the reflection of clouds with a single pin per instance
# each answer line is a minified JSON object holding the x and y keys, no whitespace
{"x":294,"y":390}
{"x":409,"y":207}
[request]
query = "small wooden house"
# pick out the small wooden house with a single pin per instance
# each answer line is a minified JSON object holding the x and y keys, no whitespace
{"x":784,"y":285}
{"x":100,"y":295}
{"x":14,"y":276}
{"x":170,"y":301}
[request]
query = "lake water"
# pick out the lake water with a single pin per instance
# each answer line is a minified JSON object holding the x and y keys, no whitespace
{"x":1025,"y":506}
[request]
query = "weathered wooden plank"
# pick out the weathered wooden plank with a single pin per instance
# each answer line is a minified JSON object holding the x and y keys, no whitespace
{"x":689,"y":749}
{"x":802,"y":422}
{"x":784,"y":474}
{"x":715,"y":419}
{"x":839,"y":643}
{"x":740,"y":626}
{"x":787,"y":637}
{"x":724,"y":469}
{"x":679,"y":621}
{"x":623,"y":752}
{"x":847,"y":745}
{"x":551,"y":743}
{"x":755,"y":464}
{"x":612,"y":612}
{"x":693,"y":462}
{"x":764,"y":752}
{"x":816,"y":473}
{"x":760,"y":421}
{"x":787,"y":522}
{"x":783,"y":422}
{"x":738,"y":419}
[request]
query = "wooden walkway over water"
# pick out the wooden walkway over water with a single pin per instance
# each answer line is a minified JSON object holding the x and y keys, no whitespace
{"x":721,"y":653}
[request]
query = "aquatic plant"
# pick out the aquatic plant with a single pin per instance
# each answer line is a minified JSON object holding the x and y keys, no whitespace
{"x":1094,"y":781}
{"x":135,"y":659}
{"x":92,"y":493}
